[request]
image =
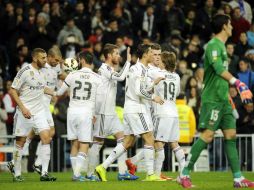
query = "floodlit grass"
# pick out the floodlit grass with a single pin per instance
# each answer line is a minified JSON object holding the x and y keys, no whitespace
{"x":201,"y":180}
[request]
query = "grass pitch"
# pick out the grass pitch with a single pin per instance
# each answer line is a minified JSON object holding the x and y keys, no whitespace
{"x":201,"y":180}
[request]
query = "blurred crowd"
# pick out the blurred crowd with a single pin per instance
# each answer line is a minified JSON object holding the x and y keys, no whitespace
{"x":179,"y":26}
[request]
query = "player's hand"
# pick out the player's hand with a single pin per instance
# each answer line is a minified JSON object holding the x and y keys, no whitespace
{"x":26,"y":113}
{"x":128,"y":54}
{"x":158,"y":100}
{"x":156,"y":81}
{"x":244,"y":91}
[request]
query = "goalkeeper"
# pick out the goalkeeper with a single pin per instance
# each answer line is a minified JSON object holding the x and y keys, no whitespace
{"x":216,"y":111}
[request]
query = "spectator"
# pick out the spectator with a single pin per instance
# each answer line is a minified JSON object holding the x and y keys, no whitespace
{"x":203,"y":19}
{"x":82,"y":19}
{"x":227,"y":9}
{"x":188,"y":26}
{"x":191,"y":83}
{"x":184,"y":73}
{"x":199,"y":76}
{"x":71,"y":46}
{"x":10,"y":107}
{"x":3,"y":118}
{"x":245,"y":74}
{"x":239,"y":23}
{"x":173,"y":18}
{"x":42,"y":35}
{"x":111,"y":33}
{"x":242,"y":45}
{"x":232,"y":59}
{"x":56,"y":16}
{"x":97,"y":20}
{"x":70,"y":29}
{"x":245,"y":8}
{"x":250,"y":56}
{"x":147,"y":24}
{"x":187,"y":120}
{"x":96,"y":36}
{"x":250,"y":36}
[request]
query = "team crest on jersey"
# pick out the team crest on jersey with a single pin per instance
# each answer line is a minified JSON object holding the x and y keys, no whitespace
{"x":15,"y":82}
{"x":211,"y":123}
{"x":214,"y":55}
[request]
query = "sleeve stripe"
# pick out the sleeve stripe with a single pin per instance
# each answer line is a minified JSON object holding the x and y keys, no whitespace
{"x":66,"y":83}
{"x":144,"y":92}
{"x":116,"y":74}
{"x":22,"y":71}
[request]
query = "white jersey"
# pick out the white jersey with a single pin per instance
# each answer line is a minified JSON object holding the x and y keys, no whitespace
{"x":51,"y":82}
{"x":136,"y":92}
{"x":107,"y":92}
{"x":83,"y":85}
{"x":30,"y":83}
{"x":169,"y":89}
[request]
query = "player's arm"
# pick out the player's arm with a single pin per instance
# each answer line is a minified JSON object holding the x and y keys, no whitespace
{"x":19,"y":80}
{"x":23,"y":109}
{"x":214,"y":56}
{"x":242,"y":88}
{"x":141,"y":91}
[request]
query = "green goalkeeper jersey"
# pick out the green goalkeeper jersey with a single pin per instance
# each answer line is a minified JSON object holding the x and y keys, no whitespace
{"x":216,"y":61}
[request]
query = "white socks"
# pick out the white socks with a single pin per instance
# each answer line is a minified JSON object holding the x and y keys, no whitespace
{"x":149,"y":159}
{"x":118,"y":151}
{"x":159,"y":159}
{"x":38,"y":160}
{"x":73,"y":162}
{"x":17,"y":156}
{"x":45,"y":157}
{"x":180,"y":156}
{"x":122,"y":168}
{"x":80,"y":161}
{"x":139,"y":156}
{"x":93,"y":157}
{"x":26,"y":146}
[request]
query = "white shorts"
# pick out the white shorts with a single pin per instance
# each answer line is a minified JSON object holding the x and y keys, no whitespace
{"x":79,"y":126}
{"x":106,"y":125}
{"x":22,"y":125}
{"x":137,"y":123}
{"x":49,"y":118}
{"x":167,"y":129}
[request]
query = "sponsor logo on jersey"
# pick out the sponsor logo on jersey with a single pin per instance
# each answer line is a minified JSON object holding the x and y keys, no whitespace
{"x":214,"y":55}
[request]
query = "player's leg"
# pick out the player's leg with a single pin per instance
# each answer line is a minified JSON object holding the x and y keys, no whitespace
{"x":29,"y":138}
{"x":123,"y":173}
{"x":117,"y":151}
{"x":73,"y":153}
{"x":93,"y":157}
{"x":17,"y":157}
{"x":179,"y":154}
{"x":45,"y":154}
{"x":159,"y":157}
{"x":229,"y":131}
{"x":80,"y":159}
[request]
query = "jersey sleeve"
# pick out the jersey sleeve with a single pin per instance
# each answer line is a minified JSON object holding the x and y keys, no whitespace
{"x":112,"y":75}
{"x":178,"y":85}
{"x":66,"y":84}
{"x":20,"y":78}
{"x":215,"y":58}
{"x":141,"y":86}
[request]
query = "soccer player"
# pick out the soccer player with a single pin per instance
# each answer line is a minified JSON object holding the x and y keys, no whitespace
{"x":216,"y":111}
{"x":83,"y":85}
{"x":107,"y":123}
{"x":28,"y":90}
{"x":136,"y":118}
{"x":167,"y":124}
{"x":51,"y":73}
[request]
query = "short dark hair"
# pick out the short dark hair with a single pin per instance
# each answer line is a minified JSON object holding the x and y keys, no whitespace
{"x":155,"y":46}
{"x":142,"y":49}
{"x":87,"y":56}
{"x":169,"y":60}
{"x":109,"y":49}
{"x":36,"y":51}
{"x":54,"y":51}
{"x":218,"y":21}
